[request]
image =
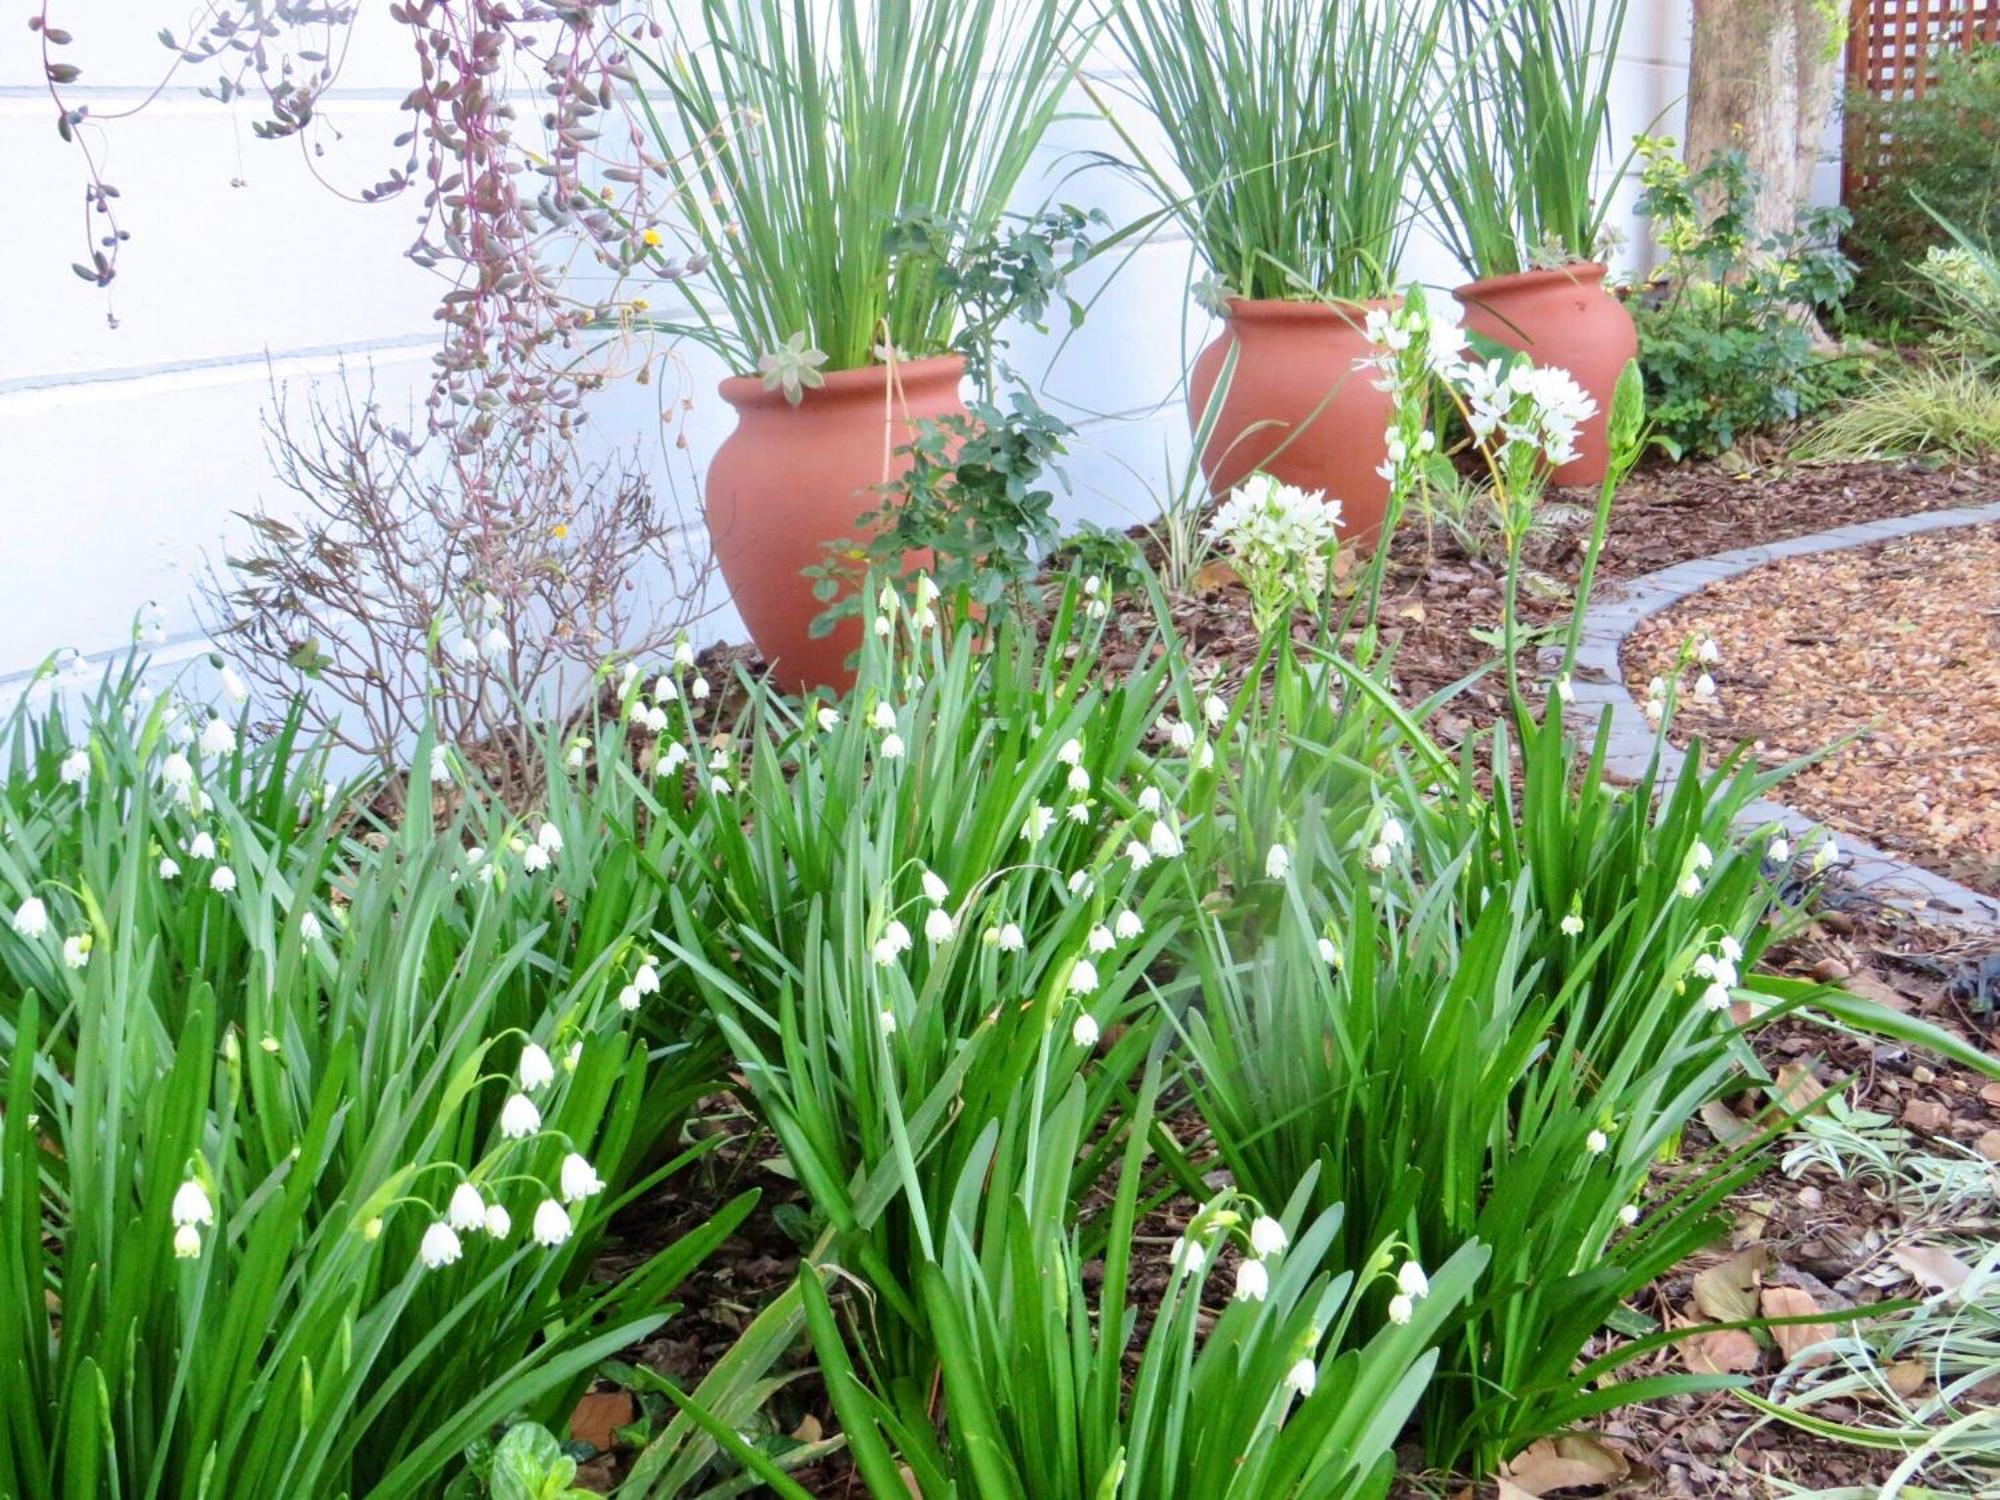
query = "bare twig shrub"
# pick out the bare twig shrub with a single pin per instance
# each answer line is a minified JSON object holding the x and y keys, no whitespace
{"x":481,"y":591}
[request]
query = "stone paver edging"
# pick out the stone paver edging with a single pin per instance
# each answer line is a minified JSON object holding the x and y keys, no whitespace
{"x":1599,"y":683}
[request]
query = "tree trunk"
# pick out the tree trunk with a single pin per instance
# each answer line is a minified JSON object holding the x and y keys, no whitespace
{"x":1761,"y":79}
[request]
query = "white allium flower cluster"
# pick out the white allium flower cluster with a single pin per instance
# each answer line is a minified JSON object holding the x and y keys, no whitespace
{"x":1279,"y":538}
{"x":1530,"y":406}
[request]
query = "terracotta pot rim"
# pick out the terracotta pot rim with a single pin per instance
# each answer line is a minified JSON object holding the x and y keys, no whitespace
{"x":1287,"y":310}
{"x":1577,"y":273}
{"x":845,"y":385}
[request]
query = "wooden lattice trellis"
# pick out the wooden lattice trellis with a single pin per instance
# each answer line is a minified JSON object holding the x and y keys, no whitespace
{"x":1890,"y":47}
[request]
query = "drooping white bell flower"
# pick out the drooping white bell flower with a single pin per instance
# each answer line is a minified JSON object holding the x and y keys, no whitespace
{"x":1083,"y":978}
{"x":222,"y":879}
{"x":1267,"y":1235}
{"x":1253,"y":1282}
{"x":1411,"y":1281}
{"x":1010,"y":939}
{"x":1401,"y":1308}
{"x":309,"y":928}
{"x":192,"y":1204}
{"x":939,"y":926}
{"x":1302,"y":1378}
{"x":217,"y":737}
{"x":935,"y":889}
{"x":76,"y":950}
{"x":519,"y":1118}
{"x":1100,"y":939}
{"x":467,"y":1209}
{"x":1277,"y":862}
{"x":31,"y":918}
{"x":579,"y":1179}
{"x":1084,"y":1031}
{"x":75,"y":767}
{"x":177,"y":773}
{"x":1126,"y":925}
{"x":498,"y":1224}
{"x":536,"y":1071}
{"x":551,"y":1226}
{"x":187,"y":1242}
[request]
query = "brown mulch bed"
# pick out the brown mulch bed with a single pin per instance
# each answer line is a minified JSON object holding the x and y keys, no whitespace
{"x":1893,"y":650}
{"x":1813,"y":1233}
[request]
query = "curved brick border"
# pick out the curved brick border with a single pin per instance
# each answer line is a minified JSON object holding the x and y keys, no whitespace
{"x":1599,"y":683}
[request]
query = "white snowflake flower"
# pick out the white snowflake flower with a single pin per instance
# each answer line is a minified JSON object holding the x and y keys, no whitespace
{"x":1253,"y":1282}
{"x":467,"y":1209}
{"x":579,"y":1179}
{"x":551,"y":1224}
{"x":536,"y":1070}
{"x":519,"y":1118}
{"x":217,"y":737}
{"x":31,"y":918}
{"x":191,"y":1204}
{"x":1267,"y":1236}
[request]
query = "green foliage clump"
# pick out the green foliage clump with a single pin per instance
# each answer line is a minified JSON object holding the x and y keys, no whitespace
{"x":1942,"y":150}
{"x":1726,"y":336}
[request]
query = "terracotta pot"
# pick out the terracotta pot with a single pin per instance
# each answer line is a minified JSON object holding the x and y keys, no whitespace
{"x":1297,"y":407}
{"x":1564,"y":318}
{"x":791,"y":479}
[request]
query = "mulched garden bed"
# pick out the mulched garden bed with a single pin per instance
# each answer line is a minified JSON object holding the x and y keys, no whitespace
{"x":1893,"y":651}
{"x":1827,"y":1237}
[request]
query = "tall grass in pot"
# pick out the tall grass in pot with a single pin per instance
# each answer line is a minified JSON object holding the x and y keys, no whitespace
{"x":794,"y":136}
{"x":1519,"y":169}
{"x":1294,"y":127}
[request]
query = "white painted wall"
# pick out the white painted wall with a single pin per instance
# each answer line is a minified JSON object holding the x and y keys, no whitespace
{"x":124,"y":452}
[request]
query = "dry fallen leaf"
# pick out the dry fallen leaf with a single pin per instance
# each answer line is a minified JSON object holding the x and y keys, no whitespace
{"x":598,"y":1416}
{"x":1937,"y":1269}
{"x":1566,"y":1462}
{"x":1727,"y":1291}
{"x":1728,"y":1352}
{"x":1907,"y":1376}
{"x":1212,"y":577}
{"x":1795,"y":1302}
{"x":1722,"y":1123}
{"x":1866,"y":986}
{"x":1796,"y":1089}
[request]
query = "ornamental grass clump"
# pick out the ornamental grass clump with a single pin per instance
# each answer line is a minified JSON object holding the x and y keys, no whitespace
{"x":797,"y":137}
{"x":1273,"y":1380}
{"x":965,"y":867}
{"x":305,"y":1172}
{"x":1293,"y":126}
{"x":1515,"y":163}
{"x":1479,"y":1002}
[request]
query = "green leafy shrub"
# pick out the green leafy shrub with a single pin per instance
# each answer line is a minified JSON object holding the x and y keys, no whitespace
{"x":1943,"y":150}
{"x":1725,"y":340}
